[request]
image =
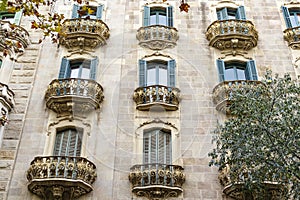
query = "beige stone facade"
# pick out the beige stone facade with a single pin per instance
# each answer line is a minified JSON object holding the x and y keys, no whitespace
{"x":113,"y":127}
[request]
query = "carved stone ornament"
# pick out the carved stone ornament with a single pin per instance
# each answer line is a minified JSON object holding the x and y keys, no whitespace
{"x":6,"y":96}
{"x":292,"y":36}
{"x":13,"y":39}
{"x":157,"y":181}
{"x":157,"y":37}
{"x":84,"y":33}
{"x":167,"y":97}
{"x":157,"y":120}
{"x":61,"y":177}
{"x":73,"y":95}
{"x":232,"y":35}
{"x":222,"y":92}
{"x":234,"y":188}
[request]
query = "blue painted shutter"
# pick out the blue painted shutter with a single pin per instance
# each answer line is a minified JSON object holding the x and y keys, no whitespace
{"x":222,"y":14}
{"x":286,"y":15}
{"x":170,"y":16}
{"x":93,"y":68}
{"x":146,"y":16}
{"x":251,"y":73}
{"x":240,"y":14}
{"x":142,"y":70}
{"x":65,"y":69}
{"x":221,"y":70}
{"x":17,"y":17}
{"x":171,"y":73}
{"x":75,"y":11}
{"x":99,"y":12}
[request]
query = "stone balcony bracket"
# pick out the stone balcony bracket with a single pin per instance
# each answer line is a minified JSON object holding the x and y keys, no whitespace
{"x":84,"y":33}
{"x":157,"y":37}
{"x":13,"y":39}
{"x":157,"y":95}
{"x":232,"y":34}
{"x":292,"y":36}
{"x":223,"y":92}
{"x":157,"y":181}
{"x":6,"y":96}
{"x":74,"y":95}
{"x":61,"y":177}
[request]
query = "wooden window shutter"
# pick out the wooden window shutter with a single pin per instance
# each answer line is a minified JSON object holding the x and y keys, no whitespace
{"x":286,"y":15}
{"x":75,"y":11}
{"x":142,"y":74}
{"x":99,"y":12}
{"x":171,"y":73}
{"x":241,"y":14}
{"x":170,"y":16}
{"x":64,"y":69}
{"x":93,"y":68}
{"x":221,"y":70}
{"x":146,"y":21}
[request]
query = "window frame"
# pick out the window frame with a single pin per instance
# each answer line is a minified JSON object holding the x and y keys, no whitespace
{"x":16,"y":16}
{"x":287,"y":16}
{"x":76,"y":8}
{"x":223,"y":13}
{"x":147,"y":15}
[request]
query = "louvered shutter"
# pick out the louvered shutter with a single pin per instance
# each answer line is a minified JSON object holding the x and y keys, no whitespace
{"x":99,"y":12}
{"x":68,"y":143}
{"x":93,"y":68}
{"x":75,"y":11}
{"x":240,"y":14}
{"x":65,"y":69}
{"x":251,"y":73}
{"x":146,"y":21}
{"x":286,"y":15}
{"x":168,"y":147}
{"x":222,"y":14}
{"x":17,"y":17}
{"x":146,"y":148}
{"x":221,"y":70}
{"x":171,"y":73}
{"x":170,"y":16}
{"x":142,"y":74}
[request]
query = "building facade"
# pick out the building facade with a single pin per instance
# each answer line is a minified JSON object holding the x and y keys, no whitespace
{"x":125,"y":106}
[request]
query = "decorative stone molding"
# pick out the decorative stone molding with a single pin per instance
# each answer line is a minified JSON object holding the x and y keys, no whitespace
{"x":232,"y":35}
{"x":61,"y":177}
{"x":73,"y":95}
{"x":13,"y":39}
{"x":6,"y":97}
{"x":223,"y":91}
{"x":167,"y":97}
{"x":84,"y":33}
{"x":235,"y":189}
{"x":157,"y":37}
{"x":158,"y":121}
{"x":157,"y":181}
{"x":292,"y":36}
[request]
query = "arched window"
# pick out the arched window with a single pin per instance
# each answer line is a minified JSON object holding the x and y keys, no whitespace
{"x":68,"y":142}
{"x":157,"y":146}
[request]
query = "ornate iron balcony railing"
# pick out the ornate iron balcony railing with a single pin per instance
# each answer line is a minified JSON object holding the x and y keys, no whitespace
{"x":292,"y":36}
{"x":157,"y":37}
{"x":167,"y":97}
{"x":223,"y":92}
{"x":84,"y":33}
{"x":156,"y":180}
{"x":73,"y":95}
{"x":232,"y":34}
{"x":6,"y":96}
{"x":61,"y":177}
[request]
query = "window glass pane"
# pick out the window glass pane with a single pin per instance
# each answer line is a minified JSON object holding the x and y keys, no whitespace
{"x":158,"y":16}
{"x":85,"y":74}
{"x":229,"y":74}
{"x":74,"y":72}
{"x":231,"y":14}
{"x":152,"y":19}
{"x":163,"y":75}
{"x":293,"y":20}
{"x":151,"y":75}
{"x":162,"y":20}
{"x":241,"y":74}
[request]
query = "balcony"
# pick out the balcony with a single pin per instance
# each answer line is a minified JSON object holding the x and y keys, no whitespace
{"x":84,"y":33}
{"x":14,"y":39}
{"x":73,"y":95}
{"x":223,"y":92}
{"x":62,"y":178}
{"x":157,"y":37}
{"x":292,"y":36}
{"x":6,"y":97}
{"x":156,"y":95}
{"x":156,"y":181}
{"x":232,"y":34}
{"x":235,"y":188}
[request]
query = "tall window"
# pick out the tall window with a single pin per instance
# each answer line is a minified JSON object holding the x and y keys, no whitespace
{"x":231,"y":13}
{"x":235,"y":70}
{"x":91,"y":12}
{"x":157,"y":146}
{"x":158,"y":16}
{"x":79,"y":68}
{"x":157,"y":72}
{"x":291,"y":16}
{"x":68,"y":142}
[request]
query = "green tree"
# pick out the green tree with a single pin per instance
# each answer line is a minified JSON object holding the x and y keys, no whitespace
{"x":260,"y":141}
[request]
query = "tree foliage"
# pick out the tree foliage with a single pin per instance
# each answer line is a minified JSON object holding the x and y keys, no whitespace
{"x":262,"y":135}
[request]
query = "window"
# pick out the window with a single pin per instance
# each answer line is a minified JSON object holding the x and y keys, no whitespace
{"x":157,"y":72}
{"x":291,"y":17}
{"x":68,"y":142}
{"x":231,"y":13}
{"x":1,"y":63}
{"x":158,"y":16}
{"x":80,"y":68}
{"x":157,"y":146}
{"x":91,"y":12}
{"x":235,"y":70}
{"x":13,"y":18}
